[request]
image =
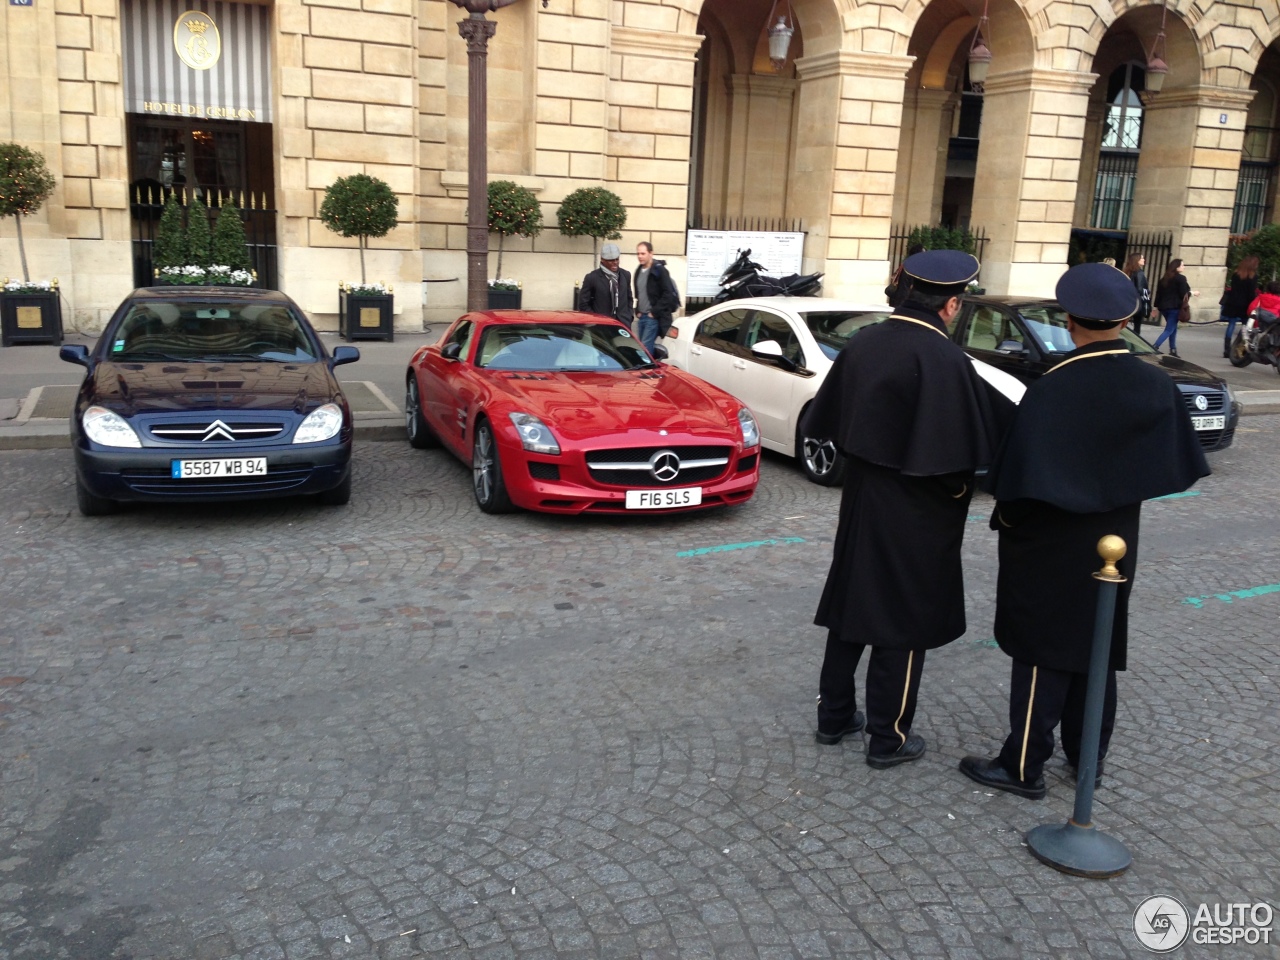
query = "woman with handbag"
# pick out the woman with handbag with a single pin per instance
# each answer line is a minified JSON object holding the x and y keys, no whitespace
{"x":1241,"y":290}
{"x":1173,"y":300}
{"x":1135,"y":269}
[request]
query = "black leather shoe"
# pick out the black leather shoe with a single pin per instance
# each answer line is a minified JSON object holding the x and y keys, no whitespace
{"x":1097,"y":779}
{"x":913,"y":749}
{"x":991,"y":773}
{"x":855,"y":725}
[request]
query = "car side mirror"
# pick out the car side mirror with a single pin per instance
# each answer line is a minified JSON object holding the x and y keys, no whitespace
{"x":76,"y":353}
{"x":660,"y":352}
{"x":1011,"y":347}
{"x":451,"y":351}
{"x":770,"y":351}
{"x":343,"y":355}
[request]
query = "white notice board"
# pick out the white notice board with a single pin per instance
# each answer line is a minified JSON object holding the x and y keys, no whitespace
{"x":710,"y":251}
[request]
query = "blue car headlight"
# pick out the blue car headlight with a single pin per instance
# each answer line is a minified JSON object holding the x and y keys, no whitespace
{"x":109,"y":429}
{"x":750,"y":430}
{"x":320,"y":424}
{"x":535,"y":436}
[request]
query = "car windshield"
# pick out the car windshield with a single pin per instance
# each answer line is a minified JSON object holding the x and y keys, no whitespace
{"x":560,"y":346}
{"x":833,"y":328}
{"x":1048,"y":324}
{"x":193,"y":331}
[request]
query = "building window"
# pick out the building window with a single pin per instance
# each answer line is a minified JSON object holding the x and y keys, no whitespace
{"x":1118,"y":156}
{"x":1250,"y":209}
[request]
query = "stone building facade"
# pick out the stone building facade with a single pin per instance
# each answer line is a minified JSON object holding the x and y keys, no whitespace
{"x":870,"y":122}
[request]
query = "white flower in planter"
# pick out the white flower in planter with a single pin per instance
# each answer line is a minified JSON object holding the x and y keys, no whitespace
{"x":355,"y":288}
{"x":504,"y":284}
{"x":29,"y":286}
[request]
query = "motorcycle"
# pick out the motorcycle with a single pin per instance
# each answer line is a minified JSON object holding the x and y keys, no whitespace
{"x":745,"y":278}
{"x":1257,"y":339}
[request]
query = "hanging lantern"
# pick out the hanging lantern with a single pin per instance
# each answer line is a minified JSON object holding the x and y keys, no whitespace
{"x":979,"y":54}
{"x":779,"y":43}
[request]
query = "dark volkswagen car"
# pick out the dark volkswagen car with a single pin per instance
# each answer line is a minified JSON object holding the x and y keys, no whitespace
{"x":1025,"y":337}
{"x":209,"y":393}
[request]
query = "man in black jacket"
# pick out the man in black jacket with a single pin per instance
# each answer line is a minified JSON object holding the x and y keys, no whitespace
{"x":1094,"y":437}
{"x":657,"y":299}
{"x":607,"y":291}
{"x":904,"y":404}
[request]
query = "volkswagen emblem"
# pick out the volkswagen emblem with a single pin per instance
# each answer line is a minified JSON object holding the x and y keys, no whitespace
{"x":1201,"y":402}
{"x":665,"y":466}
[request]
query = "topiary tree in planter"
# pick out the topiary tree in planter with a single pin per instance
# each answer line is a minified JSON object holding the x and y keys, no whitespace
{"x":359,"y":206}
{"x":1263,"y":243}
{"x":230,"y":246}
{"x":513,"y":212}
{"x":25,"y":184}
{"x":170,"y":247}
{"x":592,"y":212}
{"x":199,"y":237}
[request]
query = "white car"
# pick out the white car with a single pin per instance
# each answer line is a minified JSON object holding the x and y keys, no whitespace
{"x":773,"y":353}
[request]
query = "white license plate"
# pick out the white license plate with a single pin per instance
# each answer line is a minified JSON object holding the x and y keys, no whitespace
{"x":663,"y":499}
{"x":199,"y":469}
{"x":1209,"y":423}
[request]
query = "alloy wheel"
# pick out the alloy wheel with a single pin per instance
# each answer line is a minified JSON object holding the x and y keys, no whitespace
{"x":482,"y":461}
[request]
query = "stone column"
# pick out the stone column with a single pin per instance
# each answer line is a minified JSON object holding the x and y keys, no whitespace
{"x":926,"y":136}
{"x":1024,"y":194}
{"x":843,"y":172}
{"x":1096,"y":113}
{"x":1187,"y":174}
{"x":760,"y":144}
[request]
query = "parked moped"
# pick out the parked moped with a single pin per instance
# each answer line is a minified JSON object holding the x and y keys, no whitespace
{"x":1257,"y":339}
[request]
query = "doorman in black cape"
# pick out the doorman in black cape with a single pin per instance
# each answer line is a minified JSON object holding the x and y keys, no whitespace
{"x":1094,"y":437}
{"x":904,"y":404}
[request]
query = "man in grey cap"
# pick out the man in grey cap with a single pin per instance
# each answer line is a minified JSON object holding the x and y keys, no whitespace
{"x":607,"y":291}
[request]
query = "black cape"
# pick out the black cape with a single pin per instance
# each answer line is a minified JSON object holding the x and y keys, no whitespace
{"x":905,"y":405}
{"x":1092,"y":439}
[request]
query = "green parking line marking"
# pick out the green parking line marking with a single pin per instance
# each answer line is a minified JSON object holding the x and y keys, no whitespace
{"x":1177,"y":496}
{"x":977,"y":518}
{"x":1234,"y":595}
{"x":726,"y":547}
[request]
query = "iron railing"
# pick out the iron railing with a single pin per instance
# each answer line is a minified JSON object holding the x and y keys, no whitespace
{"x":900,"y":241}
{"x":704,"y":221}
{"x":259,"y":227}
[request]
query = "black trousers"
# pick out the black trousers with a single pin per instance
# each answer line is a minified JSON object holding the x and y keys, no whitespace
{"x":1041,"y":699}
{"x":893,"y":683}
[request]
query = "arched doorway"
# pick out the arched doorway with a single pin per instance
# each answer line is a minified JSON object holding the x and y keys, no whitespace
{"x":1256,"y":201}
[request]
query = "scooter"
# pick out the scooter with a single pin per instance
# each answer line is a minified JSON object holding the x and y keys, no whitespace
{"x":1257,"y":339}
{"x":745,"y":278}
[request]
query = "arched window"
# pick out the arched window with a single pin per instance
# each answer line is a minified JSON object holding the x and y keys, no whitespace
{"x":1121,"y":141}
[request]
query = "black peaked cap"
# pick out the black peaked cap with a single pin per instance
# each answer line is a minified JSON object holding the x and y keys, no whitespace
{"x":1097,"y":294}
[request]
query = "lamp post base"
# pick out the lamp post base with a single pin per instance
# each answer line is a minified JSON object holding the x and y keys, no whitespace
{"x":1079,"y":851}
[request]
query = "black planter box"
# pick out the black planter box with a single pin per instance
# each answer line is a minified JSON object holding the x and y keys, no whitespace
{"x":31,"y":317}
{"x":366,"y":316}
{"x":504,"y":299}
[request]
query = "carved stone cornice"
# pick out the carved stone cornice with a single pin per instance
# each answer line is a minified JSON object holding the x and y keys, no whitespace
{"x":1055,"y":81}
{"x":843,"y":63}
{"x":1224,"y":98}
{"x":664,"y":44}
{"x":761,"y":85}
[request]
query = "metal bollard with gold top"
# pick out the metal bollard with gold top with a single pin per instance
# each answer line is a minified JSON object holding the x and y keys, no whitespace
{"x":1077,"y":847}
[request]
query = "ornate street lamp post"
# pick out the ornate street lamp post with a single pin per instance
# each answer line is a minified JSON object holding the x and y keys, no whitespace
{"x":476,"y":30}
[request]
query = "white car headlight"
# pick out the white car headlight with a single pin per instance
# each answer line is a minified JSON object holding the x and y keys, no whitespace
{"x":535,"y":436}
{"x":320,"y":424}
{"x":750,"y":431}
{"x":109,"y":429}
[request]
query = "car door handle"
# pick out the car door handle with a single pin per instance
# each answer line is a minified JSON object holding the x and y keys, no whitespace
{"x":740,"y":364}
{"x":697,"y":351}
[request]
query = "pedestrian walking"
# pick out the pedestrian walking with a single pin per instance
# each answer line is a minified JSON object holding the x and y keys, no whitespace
{"x":607,"y":290}
{"x":1173,"y":300}
{"x":1094,"y":437}
{"x":657,"y":298}
{"x":1242,"y":287}
{"x":904,"y":404}
{"x":1135,"y":268}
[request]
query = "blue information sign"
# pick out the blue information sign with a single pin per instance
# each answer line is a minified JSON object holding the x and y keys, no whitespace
{"x":22,"y":3}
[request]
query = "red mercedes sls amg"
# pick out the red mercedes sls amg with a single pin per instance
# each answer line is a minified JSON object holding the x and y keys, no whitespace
{"x":568,"y":413}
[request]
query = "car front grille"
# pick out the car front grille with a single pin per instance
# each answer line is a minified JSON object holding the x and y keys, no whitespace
{"x":159,"y":483}
{"x":635,"y":466}
{"x":216,"y":431}
{"x":1216,"y":401}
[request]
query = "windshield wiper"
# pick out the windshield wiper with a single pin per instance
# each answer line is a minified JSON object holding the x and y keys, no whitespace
{"x":141,"y":356}
{"x":238,"y":358}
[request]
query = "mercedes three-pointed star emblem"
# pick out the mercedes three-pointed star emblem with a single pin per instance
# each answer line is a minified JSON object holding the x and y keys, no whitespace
{"x":664,"y":465}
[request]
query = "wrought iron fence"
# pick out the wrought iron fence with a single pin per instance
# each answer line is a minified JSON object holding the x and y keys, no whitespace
{"x":1092,"y":246}
{"x":972,"y":239}
{"x":702,"y":221}
{"x":259,"y":227}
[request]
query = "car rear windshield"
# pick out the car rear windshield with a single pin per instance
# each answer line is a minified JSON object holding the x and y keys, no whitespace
{"x":833,"y":328}
{"x":194,"y":330}
{"x":1048,"y":324}
{"x":560,"y":346}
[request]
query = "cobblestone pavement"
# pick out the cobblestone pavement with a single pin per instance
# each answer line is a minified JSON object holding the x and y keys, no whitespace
{"x":406,"y":729}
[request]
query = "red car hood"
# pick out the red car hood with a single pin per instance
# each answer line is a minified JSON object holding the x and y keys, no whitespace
{"x":585,"y":405}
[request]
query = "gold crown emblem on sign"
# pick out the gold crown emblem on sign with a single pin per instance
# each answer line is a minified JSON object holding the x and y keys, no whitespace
{"x":196,"y":26}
